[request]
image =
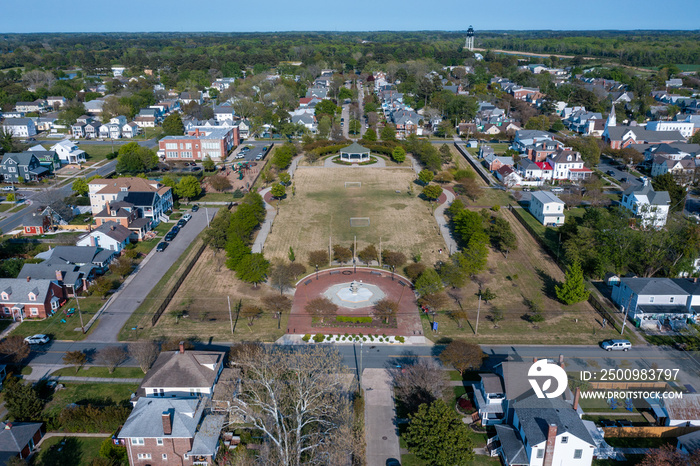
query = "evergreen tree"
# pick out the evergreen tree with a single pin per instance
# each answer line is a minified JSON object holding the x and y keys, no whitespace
{"x":573,"y":290}
{"x":429,"y":282}
{"x":437,"y":435}
{"x":172,"y":125}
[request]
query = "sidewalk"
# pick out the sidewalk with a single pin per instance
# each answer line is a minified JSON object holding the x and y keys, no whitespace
{"x":442,"y":222}
{"x":266,"y":227}
{"x":380,"y":418}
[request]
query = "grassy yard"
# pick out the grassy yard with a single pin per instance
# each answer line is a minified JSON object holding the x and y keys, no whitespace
{"x":97,"y":152}
{"x":214,"y":197}
{"x":76,"y":451}
{"x":602,"y":406}
{"x":97,"y":371}
{"x":636,"y":442}
{"x":58,"y":330}
{"x":95,"y":393}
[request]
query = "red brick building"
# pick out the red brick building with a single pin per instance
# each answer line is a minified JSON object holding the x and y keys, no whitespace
{"x":29,"y":298}
{"x":215,"y":142}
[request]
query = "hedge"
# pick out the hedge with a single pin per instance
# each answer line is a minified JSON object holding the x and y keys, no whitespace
{"x":354,"y":320}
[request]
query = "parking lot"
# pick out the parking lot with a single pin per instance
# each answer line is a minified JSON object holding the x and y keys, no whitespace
{"x":255,"y":151}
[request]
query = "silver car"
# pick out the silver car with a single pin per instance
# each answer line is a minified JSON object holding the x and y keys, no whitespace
{"x":616,"y":345}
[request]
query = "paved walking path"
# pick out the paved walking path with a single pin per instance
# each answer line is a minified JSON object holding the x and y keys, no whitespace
{"x":71,"y":434}
{"x":381,"y":433}
{"x":442,"y":221}
{"x":414,"y":164}
{"x":328,"y":163}
{"x":266,"y":227}
{"x":44,"y":371}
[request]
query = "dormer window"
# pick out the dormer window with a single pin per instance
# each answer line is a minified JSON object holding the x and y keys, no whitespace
{"x":32,"y":297}
{"x":5,"y":297}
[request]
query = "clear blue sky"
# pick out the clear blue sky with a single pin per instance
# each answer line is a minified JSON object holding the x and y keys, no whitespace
{"x":334,"y":15}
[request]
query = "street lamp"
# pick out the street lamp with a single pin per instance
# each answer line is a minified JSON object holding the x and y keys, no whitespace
{"x":316,"y":271}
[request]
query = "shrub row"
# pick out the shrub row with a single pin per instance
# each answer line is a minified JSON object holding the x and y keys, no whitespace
{"x":355,"y":320}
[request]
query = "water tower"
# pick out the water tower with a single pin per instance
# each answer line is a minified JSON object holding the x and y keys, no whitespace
{"x":469,"y":45}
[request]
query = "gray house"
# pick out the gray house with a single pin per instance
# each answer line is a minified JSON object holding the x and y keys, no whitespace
{"x":23,"y":165}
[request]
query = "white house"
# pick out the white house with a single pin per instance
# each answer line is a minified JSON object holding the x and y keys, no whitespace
{"x":568,"y":165}
{"x":530,"y":170}
{"x":528,"y":137}
{"x":489,"y":396}
{"x":109,"y":235}
{"x":19,"y":127}
{"x":650,"y":206}
{"x":183,"y":373}
{"x":545,"y":432}
{"x":68,"y":152}
{"x":547,"y":208}
{"x":130,"y":130}
{"x":508,"y":176}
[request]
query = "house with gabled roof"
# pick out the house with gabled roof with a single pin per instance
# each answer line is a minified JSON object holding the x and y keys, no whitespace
{"x":110,"y":235}
{"x":650,"y":206}
{"x":102,"y":191}
{"x":172,"y":432}
{"x":18,"y":439}
{"x":547,"y":208}
{"x":23,"y":166}
{"x":19,"y":127}
{"x":30,"y":298}
{"x":619,"y":137}
{"x":183,"y":373}
{"x":568,"y":165}
{"x":656,"y":299}
{"x":68,"y":152}
{"x":508,"y":176}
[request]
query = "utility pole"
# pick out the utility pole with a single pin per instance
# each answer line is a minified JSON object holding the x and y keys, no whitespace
{"x":360,"y":364}
{"x":330,"y":256}
{"x":626,"y":310}
{"x":206,"y":209}
{"x":80,"y":314}
{"x":230,"y":316}
{"x":478,"y":310}
{"x":380,"y":251}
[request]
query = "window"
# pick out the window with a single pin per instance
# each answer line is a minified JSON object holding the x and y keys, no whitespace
{"x":171,"y":145}
{"x":144,"y":456}
{"x":159,"y":441}
{"x":186,"y":154}
{"x":32,"y":297}
{"x":651,"y":299}
{"x":165,"y":457}
{"x":540,"y":452}
{"x":671,"y":299}
{"x":34,"y":311}
{"x":171,"y":154}
{"x":137,"y":440}
{"x":578,"y":454}
{"x":565,"y":439}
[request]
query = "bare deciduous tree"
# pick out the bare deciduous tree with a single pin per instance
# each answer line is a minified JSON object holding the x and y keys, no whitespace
{"x":145,"y":353}
{"x":250,"y":312}
{"x":422,"y":382}
{"x":321,"y":308}
{"x":281,"y":277}
{"x":298,"y":398}
{"x":14,"y":349}
{"x":386,"y":309}
{"x":462,"y":355}
{"x":112,"y":356}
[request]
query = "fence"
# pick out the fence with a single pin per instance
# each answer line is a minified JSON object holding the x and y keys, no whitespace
{"x":74,"y":227}
{"x":477,"y":168}
{"x":648,"y":432}
{"x":176,"y":285}
{"x":603,"y":311}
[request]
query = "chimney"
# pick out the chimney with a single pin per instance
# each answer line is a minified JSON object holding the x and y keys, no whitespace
{"x":549,"y":447}
{"x":28,"y":278}
{"x":534,"y":360}
{"x":577,"y":395}
{"x":59,"y":275}
{"x":109,"y":209}
{"x":8,"y":425}
{"x":168,"y":423}
{"x":182,"y":347}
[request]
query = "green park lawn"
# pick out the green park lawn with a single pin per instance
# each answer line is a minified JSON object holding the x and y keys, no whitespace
{"x":95,"y":393}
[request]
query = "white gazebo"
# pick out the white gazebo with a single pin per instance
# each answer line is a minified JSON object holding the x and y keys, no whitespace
{"x":354,"y":153}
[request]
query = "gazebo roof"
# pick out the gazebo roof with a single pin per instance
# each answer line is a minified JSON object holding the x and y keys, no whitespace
{"x":354,"y":148}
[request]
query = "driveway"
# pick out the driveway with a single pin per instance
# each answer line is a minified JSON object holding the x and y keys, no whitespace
{"x":381,"y":433}
{"x":140,"y":283}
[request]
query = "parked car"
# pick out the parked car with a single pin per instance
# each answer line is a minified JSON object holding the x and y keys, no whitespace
{"x":611,"y":172}
{"x":9,"y":188}
{"x":169,"y":236}
{"x":258,"y":157}
{"x":195,"y":208}
{"x":557,"y":190}
{"x":616,"y":345}
{"x":161,"y":246}
{"x":181,"y":223}
{"x":240,"y":155}
{"x":38,"y":339}
{"x":187,"y":217}
{"x":175,"y":230}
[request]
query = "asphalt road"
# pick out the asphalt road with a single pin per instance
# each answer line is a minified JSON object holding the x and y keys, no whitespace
{"x":133,"y":293}
{"x":576,"y":358}
{"x":17,"y":219}
{"x":622,"y":177}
